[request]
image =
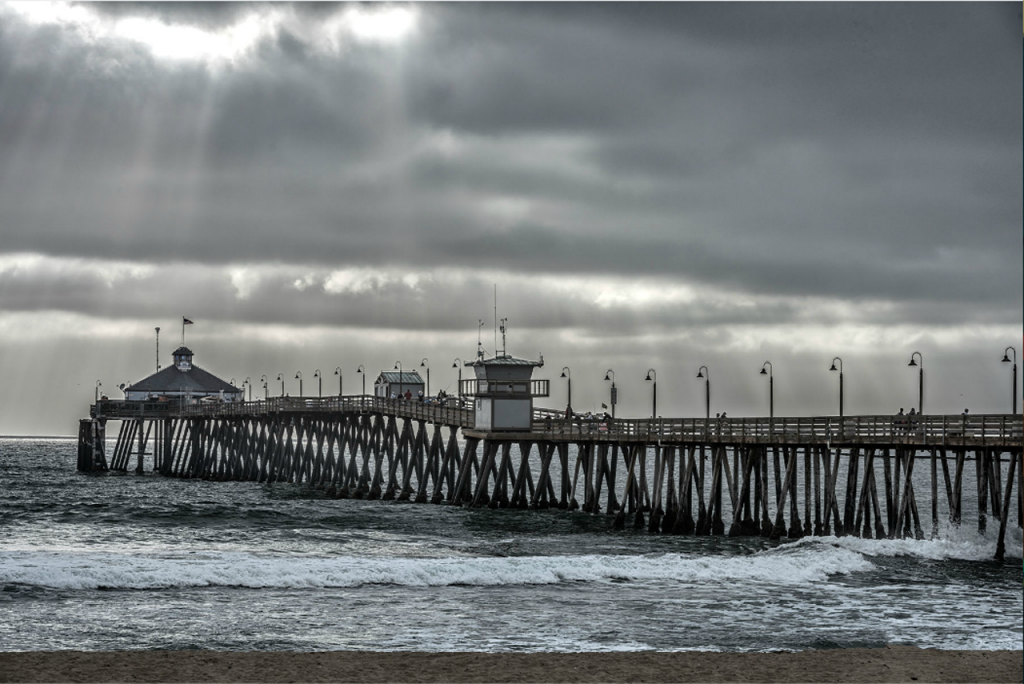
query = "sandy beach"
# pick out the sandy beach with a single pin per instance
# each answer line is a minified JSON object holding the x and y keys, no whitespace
{"x":890,"y":664}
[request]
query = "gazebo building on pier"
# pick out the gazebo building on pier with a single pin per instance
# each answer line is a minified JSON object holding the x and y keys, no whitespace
{"x":182,"y":381}
{"x":398,"y":383}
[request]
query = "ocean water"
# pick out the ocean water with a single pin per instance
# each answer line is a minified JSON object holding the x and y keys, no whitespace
{"x":127,"y":562}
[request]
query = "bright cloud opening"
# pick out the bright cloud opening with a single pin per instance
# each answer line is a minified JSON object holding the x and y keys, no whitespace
{"x":182,"y":42}
{"x":387,"y":25}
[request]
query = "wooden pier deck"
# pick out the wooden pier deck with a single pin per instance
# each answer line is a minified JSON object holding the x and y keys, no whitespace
{"x":919,"y":430}
{"x":853,"y":476}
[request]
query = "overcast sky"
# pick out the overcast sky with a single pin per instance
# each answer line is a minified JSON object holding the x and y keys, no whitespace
{"x":648,"y":185}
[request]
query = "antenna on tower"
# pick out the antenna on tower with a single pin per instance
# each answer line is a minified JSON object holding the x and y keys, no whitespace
{"x":479,"y":344}
{"x":158,"y":349}
{"x":503,"y":322}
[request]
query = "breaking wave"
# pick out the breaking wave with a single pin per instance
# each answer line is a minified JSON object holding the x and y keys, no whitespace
{"x":952,"y":544}
{"x":124,"y":571}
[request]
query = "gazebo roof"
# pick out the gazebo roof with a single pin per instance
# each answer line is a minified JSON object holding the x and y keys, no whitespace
{"x":173,"y":379}
{"x":403,"y":378}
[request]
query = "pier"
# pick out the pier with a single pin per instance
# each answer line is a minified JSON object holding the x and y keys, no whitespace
{"x":775,"y":477}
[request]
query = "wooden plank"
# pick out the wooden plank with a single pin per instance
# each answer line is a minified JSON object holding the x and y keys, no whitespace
{"x":982,"y":486}
{"x":627,"y":496}
{"x":1005,"y":515}
{"x":480,"y":496}
{"x":863,"y":502}
{"x":807,"y":492}
{"x":792,"y":465}
{"x":850,"y":501}
{"x":904,"y":509}
{"x":879,"y":528}
{"x":766,"y":518}
{"x":817,"y":492}
{"x":780,"y":522}
{"x":684,"y":519}
{"x":956,"y":515}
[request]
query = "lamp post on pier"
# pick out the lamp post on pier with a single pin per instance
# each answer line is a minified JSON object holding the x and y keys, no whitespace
{"x":398,"y":365}
{"x":840,"y":369}
{"x":98,"y":385}
{"x":266,"y":392}
{"x":568,"y":377}
{"x":610,"y":375}
{"x":771,"y":389}
{"x":319,"y":385}
{"x":920,"y":379}
{"x":248,"y":381}
{"x":652,"y":376}
{"x":337,"y":371}
{"x":1006,"y":359}
{"x":424,"y":364}
{"x":458,"y":363}
{"x":362,"y":371}
{"x":298,"y":376}
{"x":703,"y":372}
{"x":280,"y":376}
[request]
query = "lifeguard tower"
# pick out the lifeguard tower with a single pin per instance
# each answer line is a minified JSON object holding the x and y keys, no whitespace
{"x":503,"y":391}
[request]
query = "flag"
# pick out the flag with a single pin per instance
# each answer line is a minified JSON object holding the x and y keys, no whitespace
{"x":185,"y":321}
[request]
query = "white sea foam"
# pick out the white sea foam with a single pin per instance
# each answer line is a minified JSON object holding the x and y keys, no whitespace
{"x":953,"y":543}
{"x":138,"y":571}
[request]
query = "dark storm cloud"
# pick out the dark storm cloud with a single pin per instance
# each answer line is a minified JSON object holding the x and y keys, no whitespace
{"x":854,"y":151}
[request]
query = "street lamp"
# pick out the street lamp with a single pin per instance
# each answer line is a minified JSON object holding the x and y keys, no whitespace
{"x":920,"y":379}
{"x":771,"y":389}
{"x":398,"y":365}
{"x":361,"y":371}
{"x":298,"y":376}
{"x":568,"y":377}
{"x":610,"y":375}
{"x":337,"y":371}
{"x":703,"y":372}
{"x":423,"y":364}
{"x":1006,"y":359}
{"x":458,"y":363}
{"x":653,"y":377}
{"x":280,"y":376}
{"x":98,"y":385}
{"x":266,"y":392}
{"x":248,"y":381}
{"x":319,"y":384}
{"x":840,"y":369}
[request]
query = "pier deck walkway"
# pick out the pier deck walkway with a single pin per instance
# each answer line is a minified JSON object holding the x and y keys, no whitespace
{"x":994,"y":430}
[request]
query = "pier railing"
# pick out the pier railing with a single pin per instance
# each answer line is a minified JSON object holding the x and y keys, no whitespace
{"x":995,"y":429}
{"x":921,"y":430}
{"x":453,"y":412}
